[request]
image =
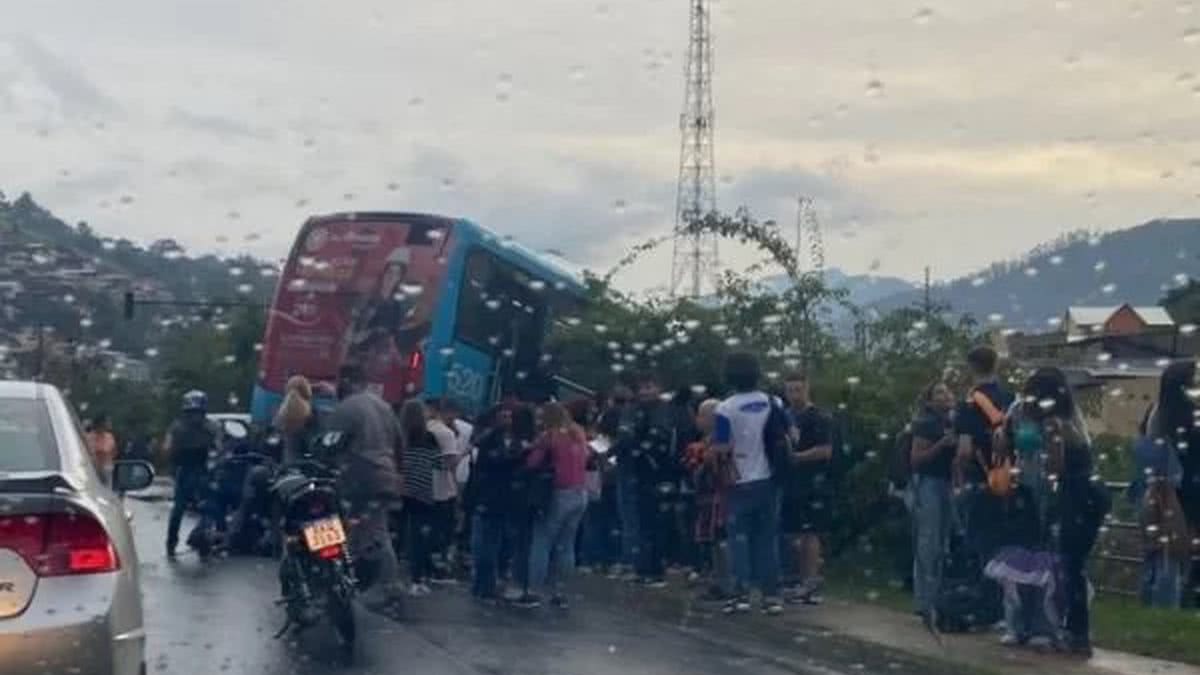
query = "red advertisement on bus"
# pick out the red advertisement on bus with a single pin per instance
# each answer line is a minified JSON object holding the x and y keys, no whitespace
{"x":357,"y":288}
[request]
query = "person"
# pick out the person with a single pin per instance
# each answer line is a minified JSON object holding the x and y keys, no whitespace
{"x":626,"y":479}
{"x":807,"y":501}
{"x":711,"y":477}
{"x":977,"y":420}
{"x":515,"y":548}
{"x":563,"y":445}
{"x":1050,"y":439}
{"x":420,"y":461}
{"x":191,"y":442}
{"x":103,"y":447}
{"x":296,"y":420}
{"x":933,"y":448}
{"x":745,"y":431}
{"x":369,"y":475}
{"x":489,"y":502}
{"x":1168,"y":485}
{"x":445,"y":485}
{"x":647,"y":439}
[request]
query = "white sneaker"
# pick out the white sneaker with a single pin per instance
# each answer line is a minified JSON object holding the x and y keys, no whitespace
{"x":419,"y":590}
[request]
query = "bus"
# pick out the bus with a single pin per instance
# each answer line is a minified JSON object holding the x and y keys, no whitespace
{"x":430,"y":306}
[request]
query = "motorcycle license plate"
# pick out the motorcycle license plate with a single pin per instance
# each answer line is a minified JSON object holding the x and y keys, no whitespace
{"x":324,"y":533}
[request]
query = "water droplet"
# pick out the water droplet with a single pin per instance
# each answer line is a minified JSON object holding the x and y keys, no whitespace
{"x":1191,"y":36}
{"x":1108,"y":289}
{"x":874,"y":88}
{"x":619,"y":206}
{"x":978,"y":281}
{"x":1100,"y":266}
{"x":1031,"y":271}
{"x":151,"y":352}
{"x":1056,"y":260}
{"x":923,"y":16}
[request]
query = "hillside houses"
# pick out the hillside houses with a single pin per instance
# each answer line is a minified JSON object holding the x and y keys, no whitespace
{"x":1113,"y":357}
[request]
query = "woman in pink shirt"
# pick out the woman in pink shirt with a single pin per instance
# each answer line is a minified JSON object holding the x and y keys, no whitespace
{"x":562,"y":448}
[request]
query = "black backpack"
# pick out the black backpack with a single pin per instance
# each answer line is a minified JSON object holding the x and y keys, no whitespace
{"x":777,"y":443}
{"x":900,"y":461}
{"x":191,"y":442}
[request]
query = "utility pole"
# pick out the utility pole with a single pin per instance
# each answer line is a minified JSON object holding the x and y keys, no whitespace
{"x":695,"y":261}
{"x":928,"y":295}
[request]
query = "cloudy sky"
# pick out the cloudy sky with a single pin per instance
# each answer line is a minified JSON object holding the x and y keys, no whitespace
{"x":948,"y":133}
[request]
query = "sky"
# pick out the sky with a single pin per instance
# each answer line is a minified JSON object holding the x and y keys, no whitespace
{"x":947,"y":134}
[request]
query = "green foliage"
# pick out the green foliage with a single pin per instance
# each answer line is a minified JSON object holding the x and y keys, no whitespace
{"x":1183,"y":303}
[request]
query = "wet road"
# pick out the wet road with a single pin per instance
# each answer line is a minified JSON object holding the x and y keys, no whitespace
{"x":220,"y":617}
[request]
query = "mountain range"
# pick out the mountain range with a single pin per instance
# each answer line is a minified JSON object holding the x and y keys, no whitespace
{"x":1139,"y":266}
{"x":70,"y":276}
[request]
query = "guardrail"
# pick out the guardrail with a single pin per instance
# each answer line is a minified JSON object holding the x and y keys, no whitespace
{"x":1128,"y":554}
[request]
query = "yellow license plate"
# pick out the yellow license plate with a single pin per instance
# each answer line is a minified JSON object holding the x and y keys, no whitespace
{"x":324,"y":533}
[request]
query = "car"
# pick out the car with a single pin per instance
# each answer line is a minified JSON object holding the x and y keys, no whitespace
{"x":70,"y":597}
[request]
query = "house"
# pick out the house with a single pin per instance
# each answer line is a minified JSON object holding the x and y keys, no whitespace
{"x":1082,"y":323}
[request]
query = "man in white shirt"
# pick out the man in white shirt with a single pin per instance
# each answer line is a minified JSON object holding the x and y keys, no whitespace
{"x":747,"y":423}
{"x":445,"y":486}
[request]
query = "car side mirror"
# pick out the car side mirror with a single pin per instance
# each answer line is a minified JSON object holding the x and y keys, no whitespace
{"x":132,"y":475}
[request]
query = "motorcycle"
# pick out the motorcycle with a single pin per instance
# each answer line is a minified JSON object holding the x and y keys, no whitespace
{"x":316,"y":571}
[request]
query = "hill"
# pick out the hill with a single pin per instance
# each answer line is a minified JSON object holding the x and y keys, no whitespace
{"x":1139,"y":266}
{"x":71,"y":280}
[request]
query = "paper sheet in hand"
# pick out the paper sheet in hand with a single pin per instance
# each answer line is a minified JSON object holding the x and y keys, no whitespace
{"x":600,"y":444}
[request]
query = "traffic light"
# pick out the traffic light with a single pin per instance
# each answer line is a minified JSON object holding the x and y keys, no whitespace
{"x":128,"y":305}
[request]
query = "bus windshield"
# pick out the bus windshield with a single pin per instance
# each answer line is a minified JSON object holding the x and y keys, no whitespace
{"x":360,"y":288}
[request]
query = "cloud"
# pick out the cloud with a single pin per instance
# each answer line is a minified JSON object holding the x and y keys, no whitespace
{"x":951,"y":137}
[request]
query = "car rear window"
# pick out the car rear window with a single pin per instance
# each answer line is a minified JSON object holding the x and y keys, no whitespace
{"x":26,"y":436}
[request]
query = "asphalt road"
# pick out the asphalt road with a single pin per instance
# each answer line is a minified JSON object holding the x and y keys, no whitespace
{"x":220,"y":616}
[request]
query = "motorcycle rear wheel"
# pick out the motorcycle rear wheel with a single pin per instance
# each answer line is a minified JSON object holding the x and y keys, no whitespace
{"x":341,"y":614}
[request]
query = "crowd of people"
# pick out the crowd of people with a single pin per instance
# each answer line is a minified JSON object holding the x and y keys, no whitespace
{"x":737,"y":493}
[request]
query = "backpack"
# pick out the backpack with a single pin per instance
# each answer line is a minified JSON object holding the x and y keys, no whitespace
{"x":191,"y":442}
{"x":900,"y":461}
{"x":776,"y":443}
{"x":1164,"y":525}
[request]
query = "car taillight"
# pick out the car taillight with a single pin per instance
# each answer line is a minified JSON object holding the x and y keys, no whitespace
{"x":329,"y":552}
{"x":60,"y":544}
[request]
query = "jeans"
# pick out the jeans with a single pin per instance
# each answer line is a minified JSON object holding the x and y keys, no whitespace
{"x":514,"y":549}
{"x":599,"y":546}
{"x":932,"y":517}
{"x":191,"y":486}
{"x":554,"y":538}
{"x":487,"y":536}
{"x":627,"y":507}
{"x":753,"y":529}
{"x":371,"y":539}
{"x":656,"y":521}
{"x":1162,"y":580}
{"x":421,"y":525}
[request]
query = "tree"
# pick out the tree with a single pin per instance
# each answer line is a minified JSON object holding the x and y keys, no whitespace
{"x":1183,"y":303}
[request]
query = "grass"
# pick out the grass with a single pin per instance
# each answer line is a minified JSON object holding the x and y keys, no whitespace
{"x":1118,"y":623}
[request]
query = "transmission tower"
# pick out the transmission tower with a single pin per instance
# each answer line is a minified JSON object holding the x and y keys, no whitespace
{"x":695,"y":263}
{"x":809,"y":228}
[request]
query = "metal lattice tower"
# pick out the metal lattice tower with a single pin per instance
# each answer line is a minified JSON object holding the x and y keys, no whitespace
{"x":694,"y":264}
{"x":809,"y":228}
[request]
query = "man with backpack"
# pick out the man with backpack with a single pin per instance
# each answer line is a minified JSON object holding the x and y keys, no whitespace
{"x":977,"y":422}
{"x":807,"y":491}
{"x":751,"y":429}
{"x":191,"y":441}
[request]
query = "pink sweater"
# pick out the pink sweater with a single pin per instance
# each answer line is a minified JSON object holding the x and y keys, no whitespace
{"x":568,"y":454}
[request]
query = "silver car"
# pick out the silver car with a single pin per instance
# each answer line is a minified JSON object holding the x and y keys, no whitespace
{"x":70,"y":599}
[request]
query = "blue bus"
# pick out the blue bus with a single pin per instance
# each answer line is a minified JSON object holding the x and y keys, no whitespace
{"x":430,"y":306}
